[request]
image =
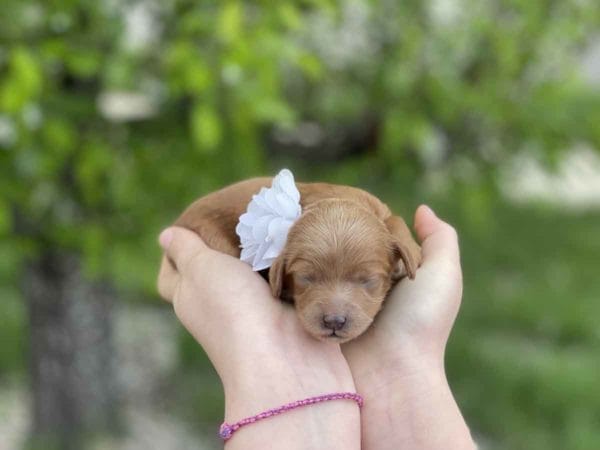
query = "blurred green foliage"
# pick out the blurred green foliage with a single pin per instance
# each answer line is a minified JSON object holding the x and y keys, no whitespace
{"x":455,"y":89}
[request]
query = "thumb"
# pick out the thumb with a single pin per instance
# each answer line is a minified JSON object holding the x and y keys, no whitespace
{"x":439,"y":240}
{"x":181,"y":246}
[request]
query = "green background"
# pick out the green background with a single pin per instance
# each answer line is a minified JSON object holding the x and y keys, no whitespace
{"x":416,"y":101}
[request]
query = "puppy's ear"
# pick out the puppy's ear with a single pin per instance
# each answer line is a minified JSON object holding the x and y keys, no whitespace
{"x":276,"y":275}
{"x":406,"y":249}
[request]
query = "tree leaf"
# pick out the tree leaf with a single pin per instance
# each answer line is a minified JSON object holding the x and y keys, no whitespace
{"x":229,"y":24}
{"x":205,"y":127}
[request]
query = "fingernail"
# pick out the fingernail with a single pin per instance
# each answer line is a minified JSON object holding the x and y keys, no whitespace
{"x":165,"y":238}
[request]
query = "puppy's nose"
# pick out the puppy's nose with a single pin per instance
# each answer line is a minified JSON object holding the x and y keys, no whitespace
{"x":334,"y":321}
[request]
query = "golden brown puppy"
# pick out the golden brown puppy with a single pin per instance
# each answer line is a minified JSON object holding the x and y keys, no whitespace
{"x":341,"y":257}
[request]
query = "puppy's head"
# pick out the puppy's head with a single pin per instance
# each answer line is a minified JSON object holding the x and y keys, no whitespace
{"x":338,"y":264}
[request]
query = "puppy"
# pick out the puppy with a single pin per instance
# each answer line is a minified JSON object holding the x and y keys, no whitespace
{"x":341,"y":257}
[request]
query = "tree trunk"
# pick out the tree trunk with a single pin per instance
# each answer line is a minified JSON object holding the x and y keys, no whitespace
{"x":71,"y":356}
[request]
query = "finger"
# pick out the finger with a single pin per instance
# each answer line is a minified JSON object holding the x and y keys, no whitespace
{"x":439,"y":240}
{"x":167,"y":280}
{"x":181,"y":246}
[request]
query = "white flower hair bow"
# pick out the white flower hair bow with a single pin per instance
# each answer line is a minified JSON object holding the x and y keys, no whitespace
{"x":264,"y":227}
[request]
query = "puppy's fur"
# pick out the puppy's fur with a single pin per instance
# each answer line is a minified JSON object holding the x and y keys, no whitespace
{"x":341,"y":257}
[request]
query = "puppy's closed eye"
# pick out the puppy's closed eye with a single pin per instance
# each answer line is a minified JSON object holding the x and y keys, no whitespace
{"x":369,"y":282}
{"x":305,"y":279}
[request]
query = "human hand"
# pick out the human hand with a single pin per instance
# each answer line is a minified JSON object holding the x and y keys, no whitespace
{"x":398,"y":364}
{"x":258,"y":347}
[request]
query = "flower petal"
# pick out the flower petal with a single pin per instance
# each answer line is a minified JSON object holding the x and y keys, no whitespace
{"x":287,"y":207}
{"x":248,"y":219}
{"x":244,"y":232}
{"x":248,"y":253}
{"x":271,"y":253}
{"x":260,"y":229}
{"x":262,"y":249}
{"x":259,"y":205}
{"x":280,"y":237}
{"x":285,"y":183}
{"x":262,"y":264}
{"x":271,"y":200}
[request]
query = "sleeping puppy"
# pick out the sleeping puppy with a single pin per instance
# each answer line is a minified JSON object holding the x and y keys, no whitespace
{"x":341,"y":257}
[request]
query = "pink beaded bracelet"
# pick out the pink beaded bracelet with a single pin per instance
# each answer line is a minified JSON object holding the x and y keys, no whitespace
{"x":227,"y":430}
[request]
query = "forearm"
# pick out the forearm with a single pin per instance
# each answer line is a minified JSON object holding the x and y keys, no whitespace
{"x":411,"y":406}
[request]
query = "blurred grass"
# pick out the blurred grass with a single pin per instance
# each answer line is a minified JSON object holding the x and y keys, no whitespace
{"x":523,"y":358}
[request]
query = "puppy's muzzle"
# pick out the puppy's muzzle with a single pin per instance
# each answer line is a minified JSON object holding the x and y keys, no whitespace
{"x":334,"y":322}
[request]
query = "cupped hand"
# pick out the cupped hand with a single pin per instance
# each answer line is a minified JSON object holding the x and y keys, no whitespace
{"x":418,"y":314}
{"x":255,"y":342}
{"x":398,"y":364}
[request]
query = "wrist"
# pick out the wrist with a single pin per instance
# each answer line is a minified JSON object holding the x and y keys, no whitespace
{"x":405,"y":363}
{"x":399,"y":383}
{"x":272,"y":379}
{"x":413,"y":384}
{"x":281,"y":366}
{"x":278,"y":381}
